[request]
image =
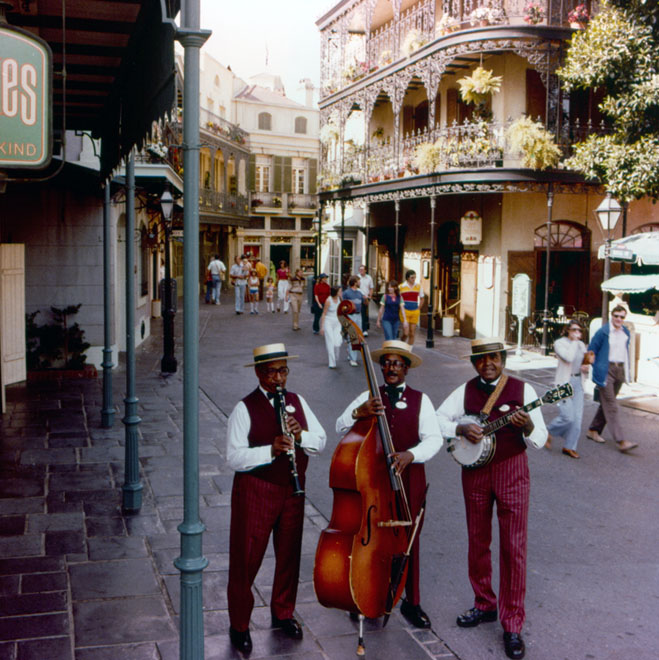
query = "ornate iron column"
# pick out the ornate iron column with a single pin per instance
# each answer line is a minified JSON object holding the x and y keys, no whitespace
{"x":397,"y":260}
{"x":545,"y":314}
{"x":343,"y":232}
{"x":191,"y":562}
{"x":430,"y":340}
{"x":107,"y":412}
{"x":132,"y":488}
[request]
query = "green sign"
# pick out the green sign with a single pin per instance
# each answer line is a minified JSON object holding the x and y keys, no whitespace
{"x":25,"y":100}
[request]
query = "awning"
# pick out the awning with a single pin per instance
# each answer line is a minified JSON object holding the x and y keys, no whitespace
{"x":119,"y":62}
{"x":642,"y":249}
{"x":631,"y":283}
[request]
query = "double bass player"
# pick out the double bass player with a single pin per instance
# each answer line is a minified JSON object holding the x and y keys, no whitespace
{"x":416,"y":438}
{"x":270,"y":463}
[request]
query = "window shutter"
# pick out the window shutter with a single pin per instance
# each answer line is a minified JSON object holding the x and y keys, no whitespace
{"x":287,"y":173}
{"x":277,"y":174}
{"x":313,"y":168}
{"x":251,"y":184}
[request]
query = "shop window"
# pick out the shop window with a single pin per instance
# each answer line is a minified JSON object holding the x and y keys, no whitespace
{"x":257,"y":222}
{"x":306,"y":224}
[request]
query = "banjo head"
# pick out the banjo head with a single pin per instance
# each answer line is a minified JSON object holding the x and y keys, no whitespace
{"x":470,"y":455}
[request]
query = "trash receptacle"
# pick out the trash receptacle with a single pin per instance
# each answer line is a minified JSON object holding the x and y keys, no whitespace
{"x":447,"y":326}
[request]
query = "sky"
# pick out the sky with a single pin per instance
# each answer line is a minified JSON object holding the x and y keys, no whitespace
{"x":244,"y":29}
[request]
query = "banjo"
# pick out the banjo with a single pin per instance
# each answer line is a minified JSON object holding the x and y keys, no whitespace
{"x":470,"y":455}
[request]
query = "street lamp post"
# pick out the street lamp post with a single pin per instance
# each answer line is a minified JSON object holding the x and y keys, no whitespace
{"x":168,"y":362}
{"x":607,"y":214}
{"x":544,"y":348}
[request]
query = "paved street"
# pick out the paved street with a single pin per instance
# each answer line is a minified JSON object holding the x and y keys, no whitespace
{"x":78,"y":580}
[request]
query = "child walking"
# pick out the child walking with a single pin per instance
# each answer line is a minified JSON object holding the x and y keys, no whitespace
{"x":253,"y":289}
{"x":270,"y":295}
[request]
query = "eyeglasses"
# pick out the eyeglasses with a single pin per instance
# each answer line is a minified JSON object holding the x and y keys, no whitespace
{"x":271,"y":372}
{"x":393,"y":364}
{"x":619,"y":316}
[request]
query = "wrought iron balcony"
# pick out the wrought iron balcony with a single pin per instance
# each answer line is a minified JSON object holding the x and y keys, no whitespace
{"x":467,"y":146}
{"x":212,"y":201}
{"x":349,"y":58}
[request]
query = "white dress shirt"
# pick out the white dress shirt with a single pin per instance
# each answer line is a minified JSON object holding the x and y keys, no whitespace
{"x":241,"y":457}
{"x":366,"y":284}
{"x":450,"y":412}
{"x":430,"y":435}
{"x":617,"y":345}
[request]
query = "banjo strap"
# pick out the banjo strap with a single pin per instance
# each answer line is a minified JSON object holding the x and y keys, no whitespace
{"x":489,"y":404}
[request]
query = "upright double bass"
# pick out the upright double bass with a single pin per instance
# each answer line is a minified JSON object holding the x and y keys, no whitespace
{"x":360,"y":563}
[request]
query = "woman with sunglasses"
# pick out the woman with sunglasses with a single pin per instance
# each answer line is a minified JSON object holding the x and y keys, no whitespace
{"x":570,"y":351}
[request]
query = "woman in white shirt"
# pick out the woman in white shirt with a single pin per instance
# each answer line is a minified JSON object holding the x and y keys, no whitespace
{"x":570,"y":351}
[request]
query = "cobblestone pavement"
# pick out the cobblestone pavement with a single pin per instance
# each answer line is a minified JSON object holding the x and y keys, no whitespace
{"x":80,"y":580}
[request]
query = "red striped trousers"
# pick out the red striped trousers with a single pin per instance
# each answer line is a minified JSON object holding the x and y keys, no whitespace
{"x":259,"y":508}
{"x":508,"y":484}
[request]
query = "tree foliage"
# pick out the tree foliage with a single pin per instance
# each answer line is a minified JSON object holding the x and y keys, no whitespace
{"x":619,"y":52}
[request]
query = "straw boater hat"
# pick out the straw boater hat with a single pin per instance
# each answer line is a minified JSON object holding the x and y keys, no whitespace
{"x":487,"y":345}
{"x":270,"y":353}
{"x":398,"y":348}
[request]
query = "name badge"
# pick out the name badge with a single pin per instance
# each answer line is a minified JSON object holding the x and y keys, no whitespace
{"x":290,"y":408}
{"x":401,"y":405}
{"x":504,"y":408}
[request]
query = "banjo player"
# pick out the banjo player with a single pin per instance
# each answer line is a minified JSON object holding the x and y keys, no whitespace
{"x":504,"y":479}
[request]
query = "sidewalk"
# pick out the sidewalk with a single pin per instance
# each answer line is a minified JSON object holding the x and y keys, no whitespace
{"x":80,"y":580}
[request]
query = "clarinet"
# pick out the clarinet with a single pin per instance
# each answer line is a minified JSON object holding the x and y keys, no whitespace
{"x":283,"y":420}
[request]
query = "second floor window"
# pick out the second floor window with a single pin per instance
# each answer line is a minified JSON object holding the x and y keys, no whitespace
{"x":301,"y":125}
{"x":298,"y":180}
{"x":265,"y":121}
{"x":262,"y":181}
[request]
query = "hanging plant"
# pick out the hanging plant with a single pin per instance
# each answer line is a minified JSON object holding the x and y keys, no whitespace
{"x":426,"y":157}
{"x":534,"y":143}
{"x":414,"y":39}
{"x":476,"y":87}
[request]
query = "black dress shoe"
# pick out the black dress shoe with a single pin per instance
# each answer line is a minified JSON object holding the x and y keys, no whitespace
{"x":474,"y":616}
{"x":514,"y":645}
{"x":241,"y":640}
{"x":415,"y":615}
{"x":291,"y":627}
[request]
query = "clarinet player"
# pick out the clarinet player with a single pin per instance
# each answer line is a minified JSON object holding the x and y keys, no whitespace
{"x":264,"y":499}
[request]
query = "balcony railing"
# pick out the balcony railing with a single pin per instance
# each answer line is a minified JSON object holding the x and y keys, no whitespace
{"x":300,"y":201}
{"x":221,"y":202}
{"x":155,"y":153}
{"x":212,"y":123}
{"x":395,"y":40}
{"x":268,"y":200}
{"x":471,"y":145}
{"x":283,"y":202}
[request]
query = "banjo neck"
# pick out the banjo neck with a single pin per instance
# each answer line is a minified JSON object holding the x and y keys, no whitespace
{"x":499,"y":423}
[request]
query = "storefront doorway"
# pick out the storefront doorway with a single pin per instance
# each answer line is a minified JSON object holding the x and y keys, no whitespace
{"x":280,"y":252}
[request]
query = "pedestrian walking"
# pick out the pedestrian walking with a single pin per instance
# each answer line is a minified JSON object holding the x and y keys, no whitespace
{"x":216,"y":268}
{"x":295,"y":296}
{"x":353,"y":293}
{"x":270,"y":295}
{"x":261,"y":272}
{"x":282,"y":287}
{"x":391,"y":311}
{"x":504,"y":479}
{"x":330,"y":326}
{"x":366,"y":287}
{"x":253,"y":291}
{"x":570,"y":352}
{"x":260,"y":439}
{"x":238,"y":275}
{"x":412,"y":294}
{"x":321,"y":292}
{"x":610,"y":370}
{"x":416,"y":438}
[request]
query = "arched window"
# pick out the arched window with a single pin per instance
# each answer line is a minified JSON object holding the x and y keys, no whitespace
{"x":650,"y":226}
{"x":301,"y":125}
{"x":265,"y":121}
{"x":565,"y":235}
{"x":217,"y":81}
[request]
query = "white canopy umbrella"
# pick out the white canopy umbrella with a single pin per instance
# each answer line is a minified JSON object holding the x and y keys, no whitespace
{"x":642,"y":249}
{"x":631,"y":283}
